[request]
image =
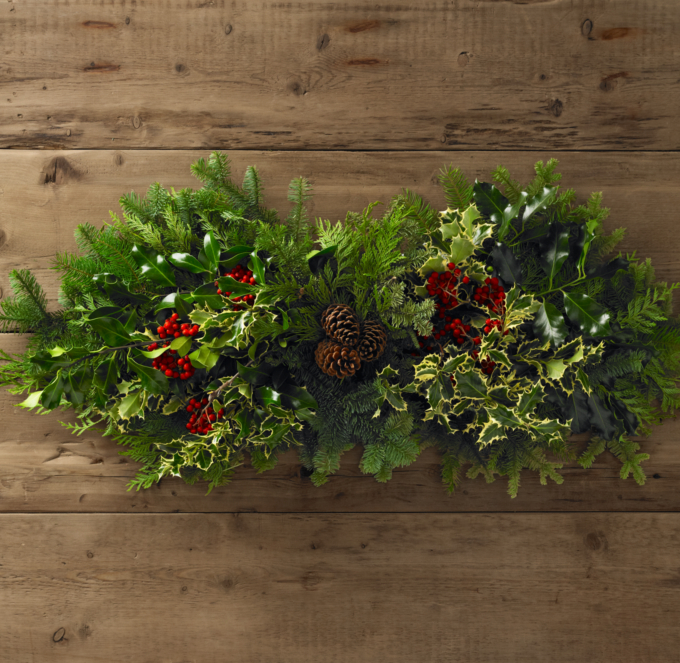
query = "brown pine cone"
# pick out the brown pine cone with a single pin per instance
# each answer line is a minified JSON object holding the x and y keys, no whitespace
{"x":373,"y":341}
{"x":337,"y":360}
{"x":340,"y":323}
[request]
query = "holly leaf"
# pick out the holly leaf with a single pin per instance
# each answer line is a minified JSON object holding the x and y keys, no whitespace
{"x":510,"y":213}
{"x":587,"y":314}
{"x":576,"y":409}
{"x":206,"y":295}
{"x":506,"y":264}
{"x":188,"y":263}
{"x":78,"y":384}
{"x":52,"y":393}
{"x":296,"y":398}
{"x":471,"y":385}
{"x":601,"y":418}
{"x":234,"y":255}
{"x":130,"y":405}
{"x":489,"y":201}
{"x":106,"y":374}
{"x":153,"y":265}
{"x":540,"y":201}
{"x":111,"y":330}
{"x":257,"y":266}
{"x":549,"y":325}
{"x":178,"y":302}
{"x":211,"y":248}
{"x":153,"y":381}
{"x":555,"y":250}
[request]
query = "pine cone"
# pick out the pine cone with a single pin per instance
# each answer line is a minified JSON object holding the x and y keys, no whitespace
{"x":373,"y":341}
{"x":337,"y":360}
{"x":340,"y":323}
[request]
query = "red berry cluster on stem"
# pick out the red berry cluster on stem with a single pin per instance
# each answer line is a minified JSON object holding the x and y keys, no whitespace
{"x":172,"y":365}
{"x":202,"y":416}
{"x":243,"y":275}
{"x":491,"y":294}
{"x":173,"y":329}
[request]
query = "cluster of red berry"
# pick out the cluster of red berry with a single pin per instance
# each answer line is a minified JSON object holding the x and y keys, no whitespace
{"x":444,"y":286}
{"x":171,"y":328}
{"x":202,"y":416}
{"x":243,"y":275}
{"x":171,"y":365}
{"x":491,"y":294}
{"x":490,"y":325}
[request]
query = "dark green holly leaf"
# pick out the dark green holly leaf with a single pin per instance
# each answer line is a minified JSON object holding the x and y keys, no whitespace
{"x":587,"y":314}
{"x":626,"y":417}
{"x":153,"y":381}
{"x":601,"y":418}
{"x":111,"y":330}
{"x":549,"y":325}
{"x":555,"y":250}
{"x":534,"y":234}
{"x":129,"y":320}
{"x":506,"y":264}
{"x":257,"y":266}
{"x":106,"y":374}
{"x":318,"y":259}
{"x":296,"y":398}
{"x":489,"y":201}
{"x":188,"y":263}
{"x":207,"y":295}
{"x":118,"y":291}
{"x":539,"y":202}
{"x":78,"y":384}
{"x":178,"y":302}
{"x":255,"y":375}
{"x":212,"y":250}
{"x":52,"y":393}
{"x":105,"y":312}
{"x":153,"y":265}
{"x":510,"y":213}
{"x":576,"y":409}
{"x":471,"y":385}
{"x":234,"y":255}
{"x":280,"y":376}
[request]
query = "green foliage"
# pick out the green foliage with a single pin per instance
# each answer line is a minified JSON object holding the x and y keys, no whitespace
{"x":573,"y":340}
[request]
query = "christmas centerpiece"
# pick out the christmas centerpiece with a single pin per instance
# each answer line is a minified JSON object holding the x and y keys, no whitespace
{"x":201,"y":331}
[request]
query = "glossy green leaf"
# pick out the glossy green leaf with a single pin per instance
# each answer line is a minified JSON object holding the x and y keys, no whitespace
{"x":257,"y":266}
{"x":177,"y":302}
{"x":153,"y":265}
{"x":153,"y":381}
{"x":255,"y":375}
{"x":207,"y":295}
{"x":530,"y":399}
{"x":601,"y":418}
{"x":52,"y":393}
{"x":587,"y":314}
{"x":212,"y":250}
{"x":112,"y":331}
{"x":32,"y":401}
{"x":510,"y":213}
{"x":204,"y":357}
{"x":106,"y":373}
{"x":77,"y":384}
{"x":460,"y":249}
{"x":555,"y":251}
{"x":489,"y":201}
{"x":549,"y":325}
{"x":234,"y":255}
{"x":188,"y":263}
{"x":471,"y":385}
{"x":130,"y":405}
{"x":577,"y":411}
{"x":539,"y":202}
{"x":506,"y":264}
{"x":182,"y":345}
{"x":228,"y":284}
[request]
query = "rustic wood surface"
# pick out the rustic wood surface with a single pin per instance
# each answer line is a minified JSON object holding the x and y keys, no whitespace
{"x":363,"y":99}
{"x":276,"y":588}
{"x":520,"y":74}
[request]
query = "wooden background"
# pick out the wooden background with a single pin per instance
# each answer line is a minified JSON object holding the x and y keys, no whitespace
{"x":100,"y":98}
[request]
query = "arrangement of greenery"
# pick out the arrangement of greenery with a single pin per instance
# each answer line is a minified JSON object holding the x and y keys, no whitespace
{"x":201,"y":329}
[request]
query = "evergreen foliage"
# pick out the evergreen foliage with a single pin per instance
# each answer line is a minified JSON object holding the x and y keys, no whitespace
{"x":510,"y":324}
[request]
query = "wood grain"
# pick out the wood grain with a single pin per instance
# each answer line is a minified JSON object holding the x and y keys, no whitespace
{"x":43,"y":468}
{"x":457,"y":75}
{"x":286,"y":588}
{"x":45,"y":195}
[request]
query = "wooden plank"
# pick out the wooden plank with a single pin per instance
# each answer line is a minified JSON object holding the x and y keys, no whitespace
{"x":477,"y":588}
{"x":557,"y":74}
{"x":45,"y":195}
{"x":43,"y":468}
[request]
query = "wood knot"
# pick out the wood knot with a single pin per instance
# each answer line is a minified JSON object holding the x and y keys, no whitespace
{"x":98,"y":25}
{"x":609,"y":83}
{"x":228,"y":28}
{"x":60,"y":171}
{"x":136,"y":122}
{"x":127,"y":20}
{"x":586,"y":27}
{"x":118,"y":159}
{"x":555,"y":107}
{"x":363,"y":26}
{"x":596,"y":541}
{"x":180,"y":68}
{"x":59,"y":635}
{"x":463,"y":59}
{"x":90,"y":554}
{"x":102,"y":66}
{"x":322,"y":42}
{"x":3,"y":237}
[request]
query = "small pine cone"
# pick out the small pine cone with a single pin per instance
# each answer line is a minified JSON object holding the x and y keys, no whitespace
{"x":337,"y":360}
{"x":340,"y":323}
{"x":373,"y":341}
